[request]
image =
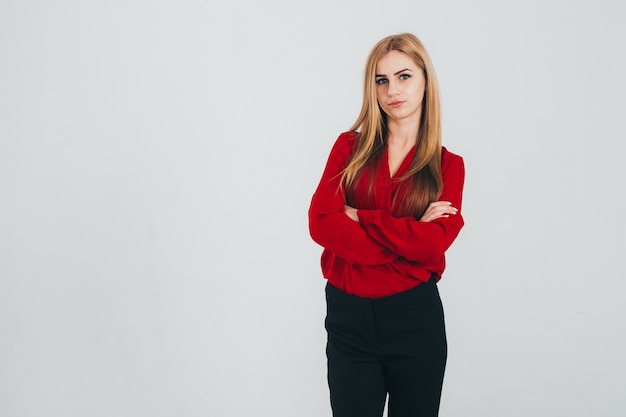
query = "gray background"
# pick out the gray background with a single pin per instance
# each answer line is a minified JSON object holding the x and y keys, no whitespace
{"x":156,"y":164}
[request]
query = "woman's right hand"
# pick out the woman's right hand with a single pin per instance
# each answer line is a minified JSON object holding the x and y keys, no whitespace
{"x":438,"y":209}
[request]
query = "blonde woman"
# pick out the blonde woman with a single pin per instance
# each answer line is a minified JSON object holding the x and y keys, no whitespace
{"x":387,"y":208}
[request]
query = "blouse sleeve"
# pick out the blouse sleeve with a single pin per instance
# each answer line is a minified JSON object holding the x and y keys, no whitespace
{"x":329,"y":226}
{"x":419,"y":241}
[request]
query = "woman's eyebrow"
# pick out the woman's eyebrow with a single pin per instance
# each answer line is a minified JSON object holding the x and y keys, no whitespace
{"x":383,"y":75}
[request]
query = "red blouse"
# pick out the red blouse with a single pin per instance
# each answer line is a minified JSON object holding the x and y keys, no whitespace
{"x":381,"y":254}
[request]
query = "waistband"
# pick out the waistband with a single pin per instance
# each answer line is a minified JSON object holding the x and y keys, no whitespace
{"x":423,"y":290}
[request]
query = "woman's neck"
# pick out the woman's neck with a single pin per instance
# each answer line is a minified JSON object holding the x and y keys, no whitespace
{"x":402,"y":135}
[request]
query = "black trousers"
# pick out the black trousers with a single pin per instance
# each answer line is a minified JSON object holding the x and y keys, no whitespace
{"x":392,"y":345}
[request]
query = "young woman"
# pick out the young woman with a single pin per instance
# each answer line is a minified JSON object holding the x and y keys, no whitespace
{"x":387,"y":208}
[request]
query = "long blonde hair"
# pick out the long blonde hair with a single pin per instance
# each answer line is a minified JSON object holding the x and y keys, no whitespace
{"x":422,"y":183}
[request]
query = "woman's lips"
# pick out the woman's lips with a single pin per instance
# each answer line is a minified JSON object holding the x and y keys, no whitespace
{"x":396,"y":104}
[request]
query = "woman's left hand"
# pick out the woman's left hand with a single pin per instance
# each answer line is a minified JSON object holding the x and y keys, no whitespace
{"x":352,"y":213}
{"x":438,"y":209}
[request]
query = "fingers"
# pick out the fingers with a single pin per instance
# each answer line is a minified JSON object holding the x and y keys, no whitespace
{"x":351,"y":212}
{"x":444,"y":206}
{"x":440,"y":204}
{"x":438,"y":209}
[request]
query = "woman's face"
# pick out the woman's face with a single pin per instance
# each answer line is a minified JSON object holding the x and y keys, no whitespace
{"x":400,"y":85}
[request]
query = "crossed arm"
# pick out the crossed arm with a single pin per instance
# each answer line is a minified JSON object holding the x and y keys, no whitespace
{"x":371,"y":237}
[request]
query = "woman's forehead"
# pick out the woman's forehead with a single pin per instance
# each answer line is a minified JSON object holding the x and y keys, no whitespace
{"x":393,"y":60}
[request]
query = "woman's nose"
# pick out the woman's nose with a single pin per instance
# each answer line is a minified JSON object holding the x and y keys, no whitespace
{"x":393,"y":88}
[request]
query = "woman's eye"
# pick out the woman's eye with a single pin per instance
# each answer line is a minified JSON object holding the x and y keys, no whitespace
{"x":380,"y":81}
{"x":405,"y":76}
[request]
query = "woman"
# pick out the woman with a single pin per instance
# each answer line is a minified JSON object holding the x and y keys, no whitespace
{"x":386,"y":209}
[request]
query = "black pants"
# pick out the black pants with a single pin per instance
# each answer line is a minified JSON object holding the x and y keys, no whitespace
{"x":395,"y":345}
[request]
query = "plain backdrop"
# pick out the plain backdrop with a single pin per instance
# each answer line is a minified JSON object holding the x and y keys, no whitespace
{"x":157,"y":159}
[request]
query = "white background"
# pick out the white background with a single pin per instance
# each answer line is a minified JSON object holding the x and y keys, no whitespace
{"x":157,"y":160}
